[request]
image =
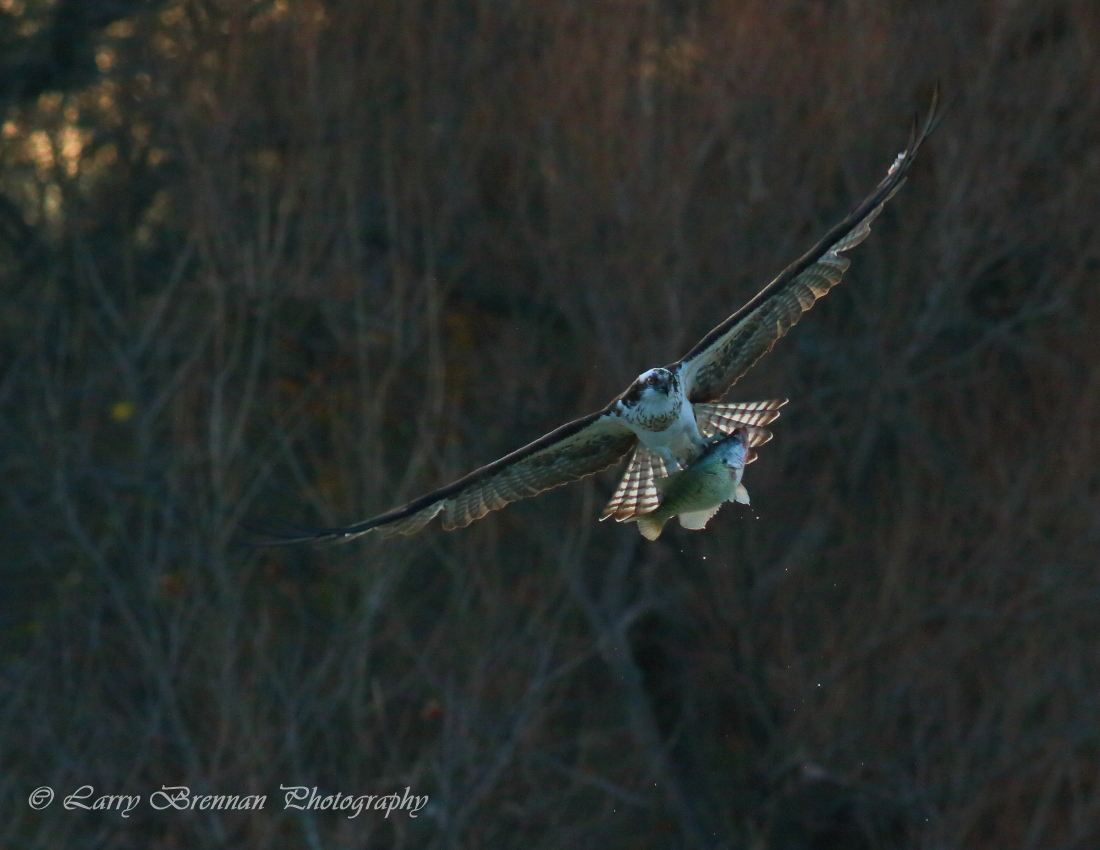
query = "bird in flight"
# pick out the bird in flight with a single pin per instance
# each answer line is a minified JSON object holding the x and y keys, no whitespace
{"x":695,"y":494}
{"x":669,"y":416}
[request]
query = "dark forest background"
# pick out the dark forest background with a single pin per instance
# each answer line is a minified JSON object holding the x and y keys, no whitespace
{"x":304,"y":260}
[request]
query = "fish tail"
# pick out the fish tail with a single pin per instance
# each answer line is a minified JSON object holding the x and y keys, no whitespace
{"x":650,"y":526}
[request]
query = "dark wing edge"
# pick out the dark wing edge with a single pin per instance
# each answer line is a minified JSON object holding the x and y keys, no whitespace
{"x":729,"y":350}
{"x":575,"y":450}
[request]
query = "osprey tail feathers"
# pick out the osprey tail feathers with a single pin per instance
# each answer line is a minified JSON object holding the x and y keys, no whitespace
{"x":636,"y":493}
{"x":725,"y":417}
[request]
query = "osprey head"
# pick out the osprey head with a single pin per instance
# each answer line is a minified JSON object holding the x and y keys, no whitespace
{"x":656,"y":382}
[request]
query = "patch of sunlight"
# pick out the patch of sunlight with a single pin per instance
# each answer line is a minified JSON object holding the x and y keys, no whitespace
{"x":120,"y":29}
{"x":40,"y":150}
{"x":51,"y":202}
{"x":166,"y":46}
{"x":104,"y":98}
{"x":49,"y":102}
{"x":122,"y":411}
{"x":267,"y":161}
{"x":105,"y":59}
{"x":277,"y":11}
{"x":171,"y":17}
{"x":72,"y":146}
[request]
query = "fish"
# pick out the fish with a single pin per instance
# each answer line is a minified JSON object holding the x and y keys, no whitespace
{"x":695,"y":493}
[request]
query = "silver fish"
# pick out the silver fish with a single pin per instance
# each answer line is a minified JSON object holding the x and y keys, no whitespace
{"x":696,"y":493}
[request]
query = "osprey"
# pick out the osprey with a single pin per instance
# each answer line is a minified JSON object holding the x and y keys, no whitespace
{"x":667,"y":418}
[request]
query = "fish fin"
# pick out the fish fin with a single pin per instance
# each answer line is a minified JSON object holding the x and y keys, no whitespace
{"x":650,"y":527}
{"x":696,"y":520}
{"x":740,"y":495}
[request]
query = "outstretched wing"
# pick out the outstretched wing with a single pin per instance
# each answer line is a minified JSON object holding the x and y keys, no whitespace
{"x":728,"y":351}
{"x":576,"y":449}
